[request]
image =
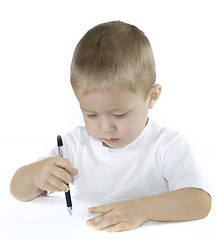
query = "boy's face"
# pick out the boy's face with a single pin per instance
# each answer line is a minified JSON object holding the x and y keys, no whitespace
{"x":115,"y":118}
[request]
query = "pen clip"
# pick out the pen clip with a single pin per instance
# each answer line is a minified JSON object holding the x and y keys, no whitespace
{"x":60,"y":145}
{"x":60,"y":151}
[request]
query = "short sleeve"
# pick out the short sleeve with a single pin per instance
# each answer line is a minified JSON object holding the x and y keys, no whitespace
{"x":180,"y":169}
{"x":71,"y":143}
{"x":53,"y":153}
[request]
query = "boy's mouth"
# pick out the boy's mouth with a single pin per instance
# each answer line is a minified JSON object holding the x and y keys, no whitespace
{"x":110,"y":140}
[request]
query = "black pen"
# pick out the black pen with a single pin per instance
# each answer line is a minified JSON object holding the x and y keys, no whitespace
{"x":67,"y":194}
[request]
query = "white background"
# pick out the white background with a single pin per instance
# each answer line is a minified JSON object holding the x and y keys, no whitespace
{"x":37,"y":40}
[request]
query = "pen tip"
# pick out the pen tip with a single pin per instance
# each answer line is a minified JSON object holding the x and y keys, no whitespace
{"x":59,"y":141}
{"x":70,"y":211}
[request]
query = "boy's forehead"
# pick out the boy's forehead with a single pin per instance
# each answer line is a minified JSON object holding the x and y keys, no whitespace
{"x":98,"y":108}
{"x":110,"y":101}
{"x":96,"y":104}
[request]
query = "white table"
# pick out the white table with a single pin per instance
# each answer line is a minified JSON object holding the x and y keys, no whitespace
{"x":47,"y":218}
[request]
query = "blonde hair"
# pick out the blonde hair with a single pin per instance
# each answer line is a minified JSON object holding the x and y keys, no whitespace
{"x":111,"y":55}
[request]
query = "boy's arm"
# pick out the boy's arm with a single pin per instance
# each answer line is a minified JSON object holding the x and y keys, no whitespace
{"x":22,"y":187}
{"x":180,"y":205}
{"x":51,"y":174}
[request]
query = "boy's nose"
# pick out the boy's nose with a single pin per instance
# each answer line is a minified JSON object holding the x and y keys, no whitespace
{"x":106,"y":126}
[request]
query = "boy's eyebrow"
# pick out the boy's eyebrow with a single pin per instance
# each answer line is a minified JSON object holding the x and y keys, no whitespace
{"x":112,"y":110}
{"x":87,"y":110}
{"x":84,"y":109}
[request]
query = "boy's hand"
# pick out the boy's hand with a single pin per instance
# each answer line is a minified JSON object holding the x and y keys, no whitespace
{"x":118,"y":216}
{"x":53,"y":174}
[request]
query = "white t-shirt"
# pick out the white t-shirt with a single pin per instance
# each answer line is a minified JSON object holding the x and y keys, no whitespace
{"x":158,"y":161}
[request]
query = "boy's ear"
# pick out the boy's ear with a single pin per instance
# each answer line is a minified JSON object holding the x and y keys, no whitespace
{"x":154,"y":95}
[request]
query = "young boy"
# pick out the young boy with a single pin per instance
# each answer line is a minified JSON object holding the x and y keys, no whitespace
{"x":129,"y":167}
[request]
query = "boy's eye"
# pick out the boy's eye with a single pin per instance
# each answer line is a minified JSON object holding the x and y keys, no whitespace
{"x":91,"y":115}
{"x":120,"y":116}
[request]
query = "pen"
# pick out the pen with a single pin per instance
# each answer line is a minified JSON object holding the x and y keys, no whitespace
{"x":67,"y":194}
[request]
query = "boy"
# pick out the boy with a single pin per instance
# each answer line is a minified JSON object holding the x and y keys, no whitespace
{"x":134,"y":169}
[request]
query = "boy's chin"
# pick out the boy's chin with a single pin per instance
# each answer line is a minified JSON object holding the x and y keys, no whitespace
{"x":115,"y":145}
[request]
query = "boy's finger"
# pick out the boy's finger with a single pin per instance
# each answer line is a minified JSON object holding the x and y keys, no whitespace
{"x":101,"y":209}
{"x":74,"y":172}
{"x":122,"y":226}
{"x":61,"y":174}
{"x":67,"y":165}
{"x":57,"y":183}
{"x":49,"y":187}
